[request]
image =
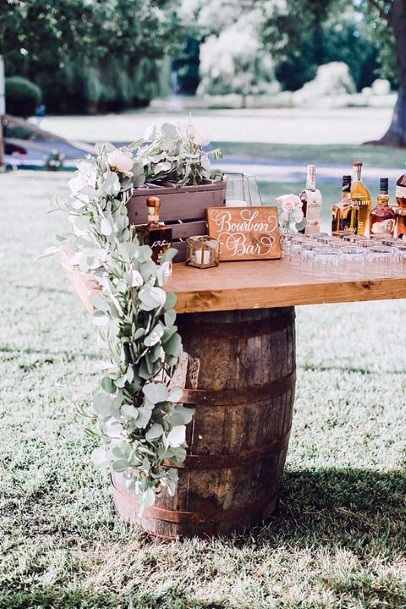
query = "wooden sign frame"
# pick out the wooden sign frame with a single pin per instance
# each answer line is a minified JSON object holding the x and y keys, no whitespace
{"x":245,"y":233}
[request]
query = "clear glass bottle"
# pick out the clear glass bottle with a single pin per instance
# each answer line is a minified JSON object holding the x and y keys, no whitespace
{"x":382,"y":217}
{"x":344,"y":214}
{"x":155,"y":234}
{"x":361,"y":199}
{"x":312,"y":201}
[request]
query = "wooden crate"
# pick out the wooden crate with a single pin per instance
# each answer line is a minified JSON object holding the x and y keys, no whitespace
{"x":183,"y":208}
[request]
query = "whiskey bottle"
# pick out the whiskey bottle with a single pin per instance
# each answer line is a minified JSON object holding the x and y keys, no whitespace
{"x":155,"y":233}
{"x":361,"y":199}
{"x":344,"y":214}
{"x":382,"y":217}
{"x":401,"y":191}
{"x":312,"y":201}
{"x":401,"y":210}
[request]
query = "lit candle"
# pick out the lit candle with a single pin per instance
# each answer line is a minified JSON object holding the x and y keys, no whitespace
{"x":202,"y":255}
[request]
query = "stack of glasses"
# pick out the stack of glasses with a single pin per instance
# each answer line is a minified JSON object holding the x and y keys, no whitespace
{"x":352,"y":257}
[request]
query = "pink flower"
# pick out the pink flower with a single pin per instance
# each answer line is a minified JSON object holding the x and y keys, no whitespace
{"x":290,"y":202}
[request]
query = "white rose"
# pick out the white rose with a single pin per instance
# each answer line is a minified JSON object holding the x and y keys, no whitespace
{"x":201,"y":139}
{"x":120,"y":162}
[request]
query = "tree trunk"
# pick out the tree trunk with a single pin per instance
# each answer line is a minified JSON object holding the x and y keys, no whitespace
{"x":396,"y":134}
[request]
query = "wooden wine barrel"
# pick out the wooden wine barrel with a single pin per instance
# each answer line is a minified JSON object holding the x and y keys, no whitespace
{"x":240,"y":381}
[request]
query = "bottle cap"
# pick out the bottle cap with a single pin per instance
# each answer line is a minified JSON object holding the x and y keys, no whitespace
{"x":346,"y":184}
{"x":384,"y":184}
{"x":153,"y":202}
{"x":357,"y":164}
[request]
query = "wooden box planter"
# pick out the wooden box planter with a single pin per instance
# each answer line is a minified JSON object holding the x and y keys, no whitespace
{"x":183,"y":207}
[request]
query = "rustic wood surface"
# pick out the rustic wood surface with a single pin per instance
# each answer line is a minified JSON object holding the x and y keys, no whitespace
{"x":240,"y":380}
{"x":271,"y":283}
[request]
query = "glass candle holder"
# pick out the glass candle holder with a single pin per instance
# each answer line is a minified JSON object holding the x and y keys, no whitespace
{"x":202,"y":252}
{"x":242,"y":190}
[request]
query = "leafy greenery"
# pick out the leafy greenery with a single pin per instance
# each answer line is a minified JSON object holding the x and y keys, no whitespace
{"x":22,"y":96}
{"x":85,"y":55}
{"x":137,"y":415}
{"x":174,"y":153}
{"x":338,"y":539}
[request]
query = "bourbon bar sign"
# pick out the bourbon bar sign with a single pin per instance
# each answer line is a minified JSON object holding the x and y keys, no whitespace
{"x":245,"y":233}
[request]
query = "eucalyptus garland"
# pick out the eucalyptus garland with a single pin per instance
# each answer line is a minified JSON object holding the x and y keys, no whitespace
{"x":136,"y":412}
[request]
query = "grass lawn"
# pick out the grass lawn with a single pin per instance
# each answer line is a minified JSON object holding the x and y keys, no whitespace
{"x":338,"y":542}
{"x":316,"y":154}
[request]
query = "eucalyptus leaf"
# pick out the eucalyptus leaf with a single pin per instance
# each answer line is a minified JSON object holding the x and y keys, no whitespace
{"x":143,"y":418}
{"x":155,"y":431}
{"x":176,"y":437}
{"x":170,"y":301}
{"x":170,"y":317}
{"x":175,"y":395}
{"x":173,"y":346}
{"x":148,"y":498}
{"x":156,"y":392}
{"x":120,"y":465}
{"x":108,"y":385}
{"x":105,"y":227}
{"x":100,"y":458}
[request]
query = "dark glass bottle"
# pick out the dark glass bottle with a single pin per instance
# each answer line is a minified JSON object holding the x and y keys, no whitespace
{"x":344,"y":214}
{"x":382,"y":217}
{"x":155,"y":234}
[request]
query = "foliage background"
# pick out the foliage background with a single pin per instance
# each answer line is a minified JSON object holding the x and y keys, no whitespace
{"x":103,"y":56}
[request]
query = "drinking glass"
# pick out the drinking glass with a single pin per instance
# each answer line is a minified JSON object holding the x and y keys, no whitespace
{"x":295,"y":249}
{"x":325,"y":261}
{"x":285,"y":244}
{"x":352,"y":261}
{"x":242,"y":190}
{"x":399,"y":259}
{"x":307,"y":253}
{"x":378,"y":261}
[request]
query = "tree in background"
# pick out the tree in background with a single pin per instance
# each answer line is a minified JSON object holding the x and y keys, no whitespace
{"x":232,"y":57}
{"x":88,"y":54}
{"x":299,"y":19}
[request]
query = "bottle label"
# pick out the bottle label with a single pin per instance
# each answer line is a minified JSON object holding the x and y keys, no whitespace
{"x":160,"y":244}
{"x":313,"y":212}
{"x":400,"y":192}
{"x":383,"y":228}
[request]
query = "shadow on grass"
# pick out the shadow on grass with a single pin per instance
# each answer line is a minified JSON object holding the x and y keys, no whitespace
{"x":361,"y":510}
{"x":76,"y":599}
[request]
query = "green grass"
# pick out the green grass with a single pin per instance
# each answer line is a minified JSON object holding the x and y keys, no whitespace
{"x":338,"y":542}
{"x":374,"y":156}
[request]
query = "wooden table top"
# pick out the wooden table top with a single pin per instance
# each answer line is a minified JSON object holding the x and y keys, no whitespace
{"x":271,"y":283}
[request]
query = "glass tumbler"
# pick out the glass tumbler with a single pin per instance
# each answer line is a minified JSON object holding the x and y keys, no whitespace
{"x":325,"y":261}
{"x":378,"y":261}
{"x":307,"y":253}
{"x":295,"y":249}
{"x":352,"y":262}
{"x":399,"y":259}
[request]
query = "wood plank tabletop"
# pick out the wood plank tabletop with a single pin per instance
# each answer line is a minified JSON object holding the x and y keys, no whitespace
{"x":271,"y":283}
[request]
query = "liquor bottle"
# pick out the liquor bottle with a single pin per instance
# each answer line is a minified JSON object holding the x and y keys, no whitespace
{"x":401,"y":191}
{"x":361,"y":199}
{"x":382,"y":217}
{"x":155,"y":233}
{"x":344,"y":214}
{"x":311,"y":203}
